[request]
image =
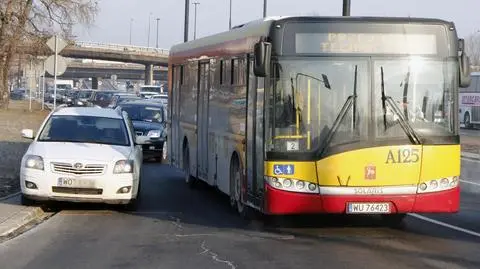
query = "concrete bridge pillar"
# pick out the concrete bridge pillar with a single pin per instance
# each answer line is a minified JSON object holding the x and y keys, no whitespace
{"x":95,"y":83}
{"x":149,"y":74}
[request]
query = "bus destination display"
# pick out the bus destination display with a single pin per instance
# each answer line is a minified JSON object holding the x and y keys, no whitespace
{"x":369,"y":43}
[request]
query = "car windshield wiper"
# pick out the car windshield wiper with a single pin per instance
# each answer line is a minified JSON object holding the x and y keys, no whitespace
{"x":412,"y":135}
{"x":351,"y":101}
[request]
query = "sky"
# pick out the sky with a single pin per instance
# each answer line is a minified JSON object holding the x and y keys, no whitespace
{"x":112,"y":23}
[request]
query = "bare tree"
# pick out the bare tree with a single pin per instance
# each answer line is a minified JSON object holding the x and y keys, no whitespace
{"x":472,"y":47}
{"x":32,"y":21}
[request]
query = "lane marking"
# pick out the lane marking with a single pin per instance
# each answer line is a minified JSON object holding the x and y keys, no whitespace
{"x":446,"y":225}
{"x":470,"y":160}
{"x":469,"y":182}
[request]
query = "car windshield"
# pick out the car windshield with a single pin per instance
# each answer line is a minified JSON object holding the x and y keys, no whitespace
{"x":144,"y":112}
{"x":84,"y":94}
{"x":85,"y":129}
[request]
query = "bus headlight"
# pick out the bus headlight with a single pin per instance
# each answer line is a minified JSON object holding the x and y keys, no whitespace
{"x":436,"y":185}
{"x":290,"y":184}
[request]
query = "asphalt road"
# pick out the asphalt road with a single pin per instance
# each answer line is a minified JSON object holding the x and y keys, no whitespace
{"x":176,"y":227}
{"x":469,"y":132}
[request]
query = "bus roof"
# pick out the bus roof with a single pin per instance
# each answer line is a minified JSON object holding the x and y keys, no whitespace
{"x":243,"y":37}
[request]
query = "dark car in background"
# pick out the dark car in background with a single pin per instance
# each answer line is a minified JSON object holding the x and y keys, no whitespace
{"x":120,"y":98}
{"x":148,"y":119}
{"x":102,"y":98}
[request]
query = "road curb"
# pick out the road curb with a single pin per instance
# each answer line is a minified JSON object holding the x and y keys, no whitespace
{"x":20,"y":220}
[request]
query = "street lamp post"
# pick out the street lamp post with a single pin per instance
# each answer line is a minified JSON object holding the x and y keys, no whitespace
{"x":158,"y":19}
{"x":230,"y":18}
{"x":346,"y":8}
{"x":195,"y":21}
{"x":131,"y":22}
{"x":264,"y":8}
{"x":149,"y":21}
{"x":187,"y":16}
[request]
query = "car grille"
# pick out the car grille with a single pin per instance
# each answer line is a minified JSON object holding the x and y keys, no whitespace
{"x":85,"y":191}
{"x":88,"y":169}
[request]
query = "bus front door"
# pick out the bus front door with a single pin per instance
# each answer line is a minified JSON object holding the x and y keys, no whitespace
{"x":202,"y":121}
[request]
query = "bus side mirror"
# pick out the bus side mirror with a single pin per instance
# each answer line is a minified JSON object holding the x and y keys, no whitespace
{"x":465,"y":78}
{"x":263,"y":53}
{"x":464,"y":65}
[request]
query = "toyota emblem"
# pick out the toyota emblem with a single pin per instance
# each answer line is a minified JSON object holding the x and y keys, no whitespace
{"x":78,"y":166}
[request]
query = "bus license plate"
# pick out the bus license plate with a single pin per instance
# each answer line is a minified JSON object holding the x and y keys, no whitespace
{"x":368,"y":208}
{"x":75,"y":183}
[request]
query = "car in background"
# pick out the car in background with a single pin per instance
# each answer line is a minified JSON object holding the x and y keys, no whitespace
{"x":163,"y":98}
{"x":83,"y":154}
{"x":102,"y":98}
{"x":147,"y":95}
{"x":120,"y":98}
{"x":82,"y":98}
{"x":148,"y":120}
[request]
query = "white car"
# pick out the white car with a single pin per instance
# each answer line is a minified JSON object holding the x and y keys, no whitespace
{"x":83,"y":154}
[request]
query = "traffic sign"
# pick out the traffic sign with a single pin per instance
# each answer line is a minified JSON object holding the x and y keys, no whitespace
{"x":61,"y":44}
{"x":50,"y":65}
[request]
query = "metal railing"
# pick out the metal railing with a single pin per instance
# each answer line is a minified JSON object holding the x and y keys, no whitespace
{"x":121,"y":47}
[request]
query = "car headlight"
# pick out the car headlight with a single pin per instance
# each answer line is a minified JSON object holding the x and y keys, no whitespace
{"x":154,"y":134}
{"x":123,"y":166}
{"x":34,"y":162}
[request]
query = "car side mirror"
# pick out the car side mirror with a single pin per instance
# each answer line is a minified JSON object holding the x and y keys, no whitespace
{"x":28,"y":133}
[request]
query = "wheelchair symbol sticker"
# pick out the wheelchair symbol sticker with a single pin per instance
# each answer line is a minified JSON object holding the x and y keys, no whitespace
{"x":284,"y":169}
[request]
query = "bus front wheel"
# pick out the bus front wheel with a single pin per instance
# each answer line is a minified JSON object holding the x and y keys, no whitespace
{"x":236,"y":190}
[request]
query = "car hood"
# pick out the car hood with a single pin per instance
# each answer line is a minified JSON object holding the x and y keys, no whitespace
{"x":79,"y":151}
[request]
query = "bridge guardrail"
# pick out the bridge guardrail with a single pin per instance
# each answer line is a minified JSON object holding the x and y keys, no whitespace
{"x":121,"y":47}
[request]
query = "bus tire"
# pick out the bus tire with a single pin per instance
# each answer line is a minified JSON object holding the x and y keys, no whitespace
{"x":189,"y":179}
{"x":393,"y":220}
{"x":466,"y":120}
{"x":236,"y":190}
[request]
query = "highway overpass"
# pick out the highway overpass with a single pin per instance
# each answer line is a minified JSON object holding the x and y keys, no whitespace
{"x":149,"y":57}
{"x":76,"y":70}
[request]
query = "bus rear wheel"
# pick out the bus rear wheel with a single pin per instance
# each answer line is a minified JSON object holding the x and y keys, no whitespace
{"x":466,"y":121}
{"x":189,"y":179}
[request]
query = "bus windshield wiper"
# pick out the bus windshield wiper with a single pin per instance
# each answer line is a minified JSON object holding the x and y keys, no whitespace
{"x":412,"y":135}
{"x":351,"y":101}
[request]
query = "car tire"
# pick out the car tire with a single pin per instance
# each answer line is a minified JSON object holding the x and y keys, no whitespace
{"x":27,"y":201}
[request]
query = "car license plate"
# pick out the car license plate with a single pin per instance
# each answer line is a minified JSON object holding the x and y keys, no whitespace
{"x":75,"y":183}
{"x":368,"y":208}
{"x":152,"y":147}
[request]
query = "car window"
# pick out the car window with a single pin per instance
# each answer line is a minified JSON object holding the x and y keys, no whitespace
{"x":85,"y":129}
{"x":144,"y":113}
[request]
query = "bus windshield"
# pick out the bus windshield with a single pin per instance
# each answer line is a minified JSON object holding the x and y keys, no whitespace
{"x":325,"y":102}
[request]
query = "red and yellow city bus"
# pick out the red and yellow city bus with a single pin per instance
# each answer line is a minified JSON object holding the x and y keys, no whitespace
{"x":345,"y":115}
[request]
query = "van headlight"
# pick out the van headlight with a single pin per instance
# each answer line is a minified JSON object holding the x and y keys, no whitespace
{"x":34,"y":162}
{"x":123,"y":167}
